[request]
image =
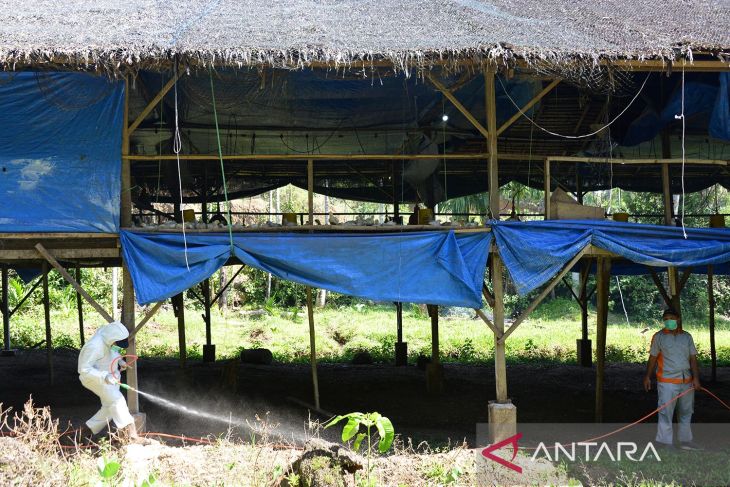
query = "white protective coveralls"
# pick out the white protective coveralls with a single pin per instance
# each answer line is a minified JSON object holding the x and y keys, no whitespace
{"x":95,"y":360}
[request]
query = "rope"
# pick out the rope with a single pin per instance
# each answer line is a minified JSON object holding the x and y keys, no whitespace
{"x":220,"y":157}
{"x":176,"y":148}
{"x":573,"y":136}
{"x":684,"y":232}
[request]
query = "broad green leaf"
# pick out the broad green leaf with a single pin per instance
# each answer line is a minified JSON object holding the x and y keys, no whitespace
{"x":350,"y":429}
{"x":386,"y":432}
{"x":106,"y":469}
{"x":334,"y":421}
{"x":358,"y":441}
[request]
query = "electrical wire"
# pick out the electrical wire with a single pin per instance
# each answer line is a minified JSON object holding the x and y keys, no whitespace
{"x":684,"y":127}
{"x":519,"y":109}
{"x":220,"y":157}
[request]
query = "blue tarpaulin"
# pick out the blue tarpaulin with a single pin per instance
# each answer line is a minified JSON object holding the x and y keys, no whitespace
{"x":441,"y":268}
{"x":60,"y":152}
{"x":534,"y":252}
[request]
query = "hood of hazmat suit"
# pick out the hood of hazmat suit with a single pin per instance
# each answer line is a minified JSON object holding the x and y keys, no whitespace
{"x":96,"y":356}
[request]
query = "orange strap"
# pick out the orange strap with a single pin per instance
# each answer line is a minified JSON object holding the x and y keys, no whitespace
{"x":668,"y":380}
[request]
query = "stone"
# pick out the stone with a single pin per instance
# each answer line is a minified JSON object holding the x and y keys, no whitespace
{"x":502,"y":420}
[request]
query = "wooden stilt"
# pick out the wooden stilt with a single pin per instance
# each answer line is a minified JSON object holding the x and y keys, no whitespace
{"x":178,"y":303}
{"x":401,"y":347}
{"x":491,"y":100}
{"x":433,"y":312}
{"x":312,"y":347}
{"x":80,"y":307}
{"x":711,"y":299}
{"x":47,"y":319}
{"x":546,"y":177}
{"x":500,"y":360}
{"x":6,"y":310}
{"x":434,"y":370}
{"x":603,"y":277}
{"x":585,"y":357}
{"x":208,"y":348}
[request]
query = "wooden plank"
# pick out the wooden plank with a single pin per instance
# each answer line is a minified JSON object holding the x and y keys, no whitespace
{"x":146,"y":318}
{"x":63,"y":254}
{"x":603,"y":276}
{"x":153,"y":103}
{"x":711,"y":303}
{"x":47,"y":321}
{"x":546,"y":290}
{"x":489,"y":323}
{"x":603,"y":160}
{"x":312,"y":347}
{"x":488,"y":296}
{"x":306,"y":157}
{"x":25,"y":297}
{"x":57,"y":236}
{"x":310,"y":191}
{"x":667,"y":196}
{"x":327,"y":228}
{"x":546,"y":183}
{"x":179,"y":304}
{"x":6,"y":308}
{"x":685,"y":276}
{"x":51,"y":260}
{"x":658,"y":283}
{"x":225,"y":286}
{"x":457,"y":104}
{"x":527,"y":106}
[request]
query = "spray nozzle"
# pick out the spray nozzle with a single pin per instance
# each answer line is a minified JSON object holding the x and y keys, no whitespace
{"x":123,"y":385}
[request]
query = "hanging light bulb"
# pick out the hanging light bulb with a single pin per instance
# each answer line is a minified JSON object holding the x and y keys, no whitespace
{"x":445,"y":118}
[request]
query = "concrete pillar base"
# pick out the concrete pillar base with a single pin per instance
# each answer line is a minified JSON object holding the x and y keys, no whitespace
{"x":8,"y":353}
{"x":208,"y":353}
{"x":401,"y":354}
{"x":584,"y":352}
{"x":435,"y":378}
{"x":502,"y":420}
{"x":140,"y":422}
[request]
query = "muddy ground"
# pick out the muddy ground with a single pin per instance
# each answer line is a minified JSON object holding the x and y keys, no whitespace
{"x":542,"y":393}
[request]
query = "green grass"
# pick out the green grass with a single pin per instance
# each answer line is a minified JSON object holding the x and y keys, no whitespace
{"x":547,"y":336}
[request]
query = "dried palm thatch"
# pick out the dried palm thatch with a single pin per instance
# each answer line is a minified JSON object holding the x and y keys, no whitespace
{"x":109,"y":35}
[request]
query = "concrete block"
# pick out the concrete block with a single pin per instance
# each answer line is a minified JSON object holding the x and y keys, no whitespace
{"x":502,"y":420}
{"x":401,"y":354}
{"x":208,"y":353}
{"x":584,"y":352}
{"x":140,"y":422}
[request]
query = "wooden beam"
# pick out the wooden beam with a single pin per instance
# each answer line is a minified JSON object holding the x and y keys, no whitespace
{"x":457,"y":104}
{"x":600,"y":160}
{"x":146,"y":318}
{"x":546,"y":182}
{"x":6,"y":308}
{"x":603,"y":277}
{"x":25,"y":297}
{"x":490,"y":99}
{"x":153,"y":103}
{"x":310,"y":191}
{"x":47,"y":321}
{"x":63,"y":254}
{"x":711,"y":302}
{"x":527,"y":106}
{"x":80,"y":307}
{"x":488,"y":296}
{"x":51,"y":260}
{"x":685,"y":276}
{"x":312,"y":347}
{"x":660,"y":286}
{"x":535,"y":302}
{"x":178,"y":302}
{"x":500,"y":360}
{"x":316,"y":157}
{"x":489,"y":323}
{"x":225,"y":286}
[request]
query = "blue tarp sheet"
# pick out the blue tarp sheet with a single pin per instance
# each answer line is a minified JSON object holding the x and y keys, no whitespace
{"x":441,"y":268}
{"x":60,"y":152}
{"x":534,"y":252}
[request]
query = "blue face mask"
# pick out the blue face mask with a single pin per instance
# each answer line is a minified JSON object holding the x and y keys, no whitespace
{"x":670,"y":325}
{"x":118,"y":349}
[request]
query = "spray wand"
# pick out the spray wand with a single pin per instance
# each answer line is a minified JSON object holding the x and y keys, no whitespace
{"x":112,"y":370}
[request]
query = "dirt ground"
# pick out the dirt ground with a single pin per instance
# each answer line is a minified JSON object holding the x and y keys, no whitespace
{"x":542,"y":393}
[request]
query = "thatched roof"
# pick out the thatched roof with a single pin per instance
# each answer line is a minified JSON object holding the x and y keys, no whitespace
{"x":142,"y":33}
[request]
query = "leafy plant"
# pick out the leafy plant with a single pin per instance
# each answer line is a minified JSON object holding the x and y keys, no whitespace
{"x":108,"y":469}
{"x":354,"y":422}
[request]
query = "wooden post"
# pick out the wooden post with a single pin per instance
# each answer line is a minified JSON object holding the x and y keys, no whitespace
{"x":80,"y":307}
{"x":125,"y":220}
{"x":312,"y":347}
{"x":500,"y":361}
{"x":433,"y":312}
{"x":208,"y":348}
{"x":396,"y":197}
{"x":310,"y":190}
{"x":491,"y":101}
{"x":434,"y":370}
{"x":546,"y":174}
{"x":179,"y":306}
{"x":6,"y":310}
{"x":711,"y":299}
{"x":603,"y":277}
{"x":401,"y":347}
{"x":47,"y":319}
{"x":585,"y":357}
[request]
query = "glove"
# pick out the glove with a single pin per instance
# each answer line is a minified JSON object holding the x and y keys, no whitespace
{"x":110,"y":379}
{"x":123,"y":365}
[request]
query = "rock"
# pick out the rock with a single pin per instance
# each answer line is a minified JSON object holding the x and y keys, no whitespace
{"x":325,"y":464}
{"x":362,"y":358}
{"x":260,"y":356}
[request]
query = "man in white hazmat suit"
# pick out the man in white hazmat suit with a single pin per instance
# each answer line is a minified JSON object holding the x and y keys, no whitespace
{"x":99,"y":362}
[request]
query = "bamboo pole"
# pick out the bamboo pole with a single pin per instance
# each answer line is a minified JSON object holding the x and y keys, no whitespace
{"x":146,"y":318}
{"x":527,"y":106}
{"x":312,"y":347}
{"x":457,"y":104}
{"x":153,"y":103}
{"x":546,"y":176}
{"x":179,"y":304}
{"x":491,"y":135}
{"x":602,"y":278}
{"x":500,"y":360}
{"x":47,"y":320}
{"x":711,"y":299}
{"x":80,"y":306}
